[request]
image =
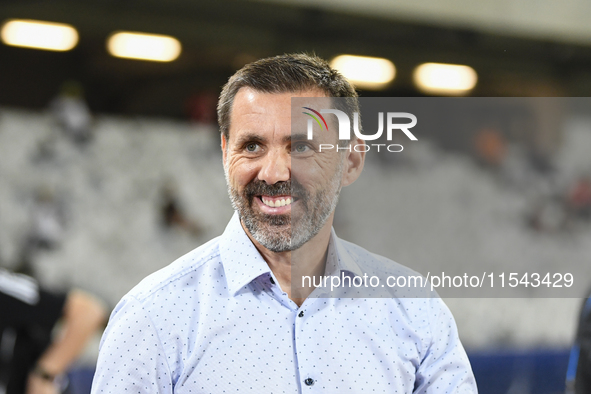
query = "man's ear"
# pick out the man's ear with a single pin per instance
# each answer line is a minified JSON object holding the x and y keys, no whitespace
{"x":354,"y":162}
{"x":224,"y":148}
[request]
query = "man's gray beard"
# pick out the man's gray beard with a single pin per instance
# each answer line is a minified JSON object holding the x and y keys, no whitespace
{"x":279,"y":233}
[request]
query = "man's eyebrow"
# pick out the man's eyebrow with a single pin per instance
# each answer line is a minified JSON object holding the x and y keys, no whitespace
{"x":298,"y":137}
{"x":250,"y":137}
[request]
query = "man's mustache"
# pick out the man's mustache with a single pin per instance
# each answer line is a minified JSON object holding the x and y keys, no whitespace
{"x":285,"y":188}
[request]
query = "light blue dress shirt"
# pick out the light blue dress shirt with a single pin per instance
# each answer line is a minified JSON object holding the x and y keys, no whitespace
{"x":215,"y":321}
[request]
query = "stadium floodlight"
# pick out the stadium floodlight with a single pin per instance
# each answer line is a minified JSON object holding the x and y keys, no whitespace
{"x":48,"y":36}
{"x":365,"y":72}
{"x":142,"y":46}
{"x":445,"y":79}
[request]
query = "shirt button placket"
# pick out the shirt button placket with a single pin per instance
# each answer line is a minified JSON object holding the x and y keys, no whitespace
{"x":300,"y":328}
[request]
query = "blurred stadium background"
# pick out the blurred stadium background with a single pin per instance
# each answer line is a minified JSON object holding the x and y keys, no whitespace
{"x":137,"y":179}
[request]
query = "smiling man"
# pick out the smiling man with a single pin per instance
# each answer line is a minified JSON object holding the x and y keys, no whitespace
{"x":226,"y":318}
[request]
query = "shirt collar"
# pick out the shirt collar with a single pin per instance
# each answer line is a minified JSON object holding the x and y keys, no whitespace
{"x":241,"y":260}
{"x":339,"y":259}
{"x":243,"y":263}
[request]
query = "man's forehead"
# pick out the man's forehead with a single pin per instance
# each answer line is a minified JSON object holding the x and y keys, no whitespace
{"x":250,"y":103}
{"x":305,"y":108}
{"x":248,"y":94}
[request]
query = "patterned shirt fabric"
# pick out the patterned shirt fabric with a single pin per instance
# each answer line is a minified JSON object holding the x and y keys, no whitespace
{"x":215,"y":321}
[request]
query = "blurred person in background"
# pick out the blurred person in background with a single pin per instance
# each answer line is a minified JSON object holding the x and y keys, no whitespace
{"x":46,"y":229}
{"x":490,"y":147}
{"x":562,"y":211}
{"x":72,"y":113}
{"x":171,"y":213}
{"x":33,"y":358}
{"x":579,"y":199}
{"x":225,"y":317}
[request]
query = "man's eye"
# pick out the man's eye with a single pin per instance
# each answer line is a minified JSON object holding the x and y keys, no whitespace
{"x":300,"y":148}
{"x":252,"y":147}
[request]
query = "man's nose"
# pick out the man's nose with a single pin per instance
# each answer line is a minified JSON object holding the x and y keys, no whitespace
{"x":276,"y":167}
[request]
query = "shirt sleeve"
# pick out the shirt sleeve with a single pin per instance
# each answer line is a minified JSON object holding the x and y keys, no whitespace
{"x":132,"y":358}
{"x":445,"y":367}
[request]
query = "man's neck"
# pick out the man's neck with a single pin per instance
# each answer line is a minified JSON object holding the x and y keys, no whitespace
{"x":289,"y":267}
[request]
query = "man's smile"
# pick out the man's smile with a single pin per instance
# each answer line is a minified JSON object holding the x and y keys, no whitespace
{"x":275,"y":205}
{"x":276,"y":201}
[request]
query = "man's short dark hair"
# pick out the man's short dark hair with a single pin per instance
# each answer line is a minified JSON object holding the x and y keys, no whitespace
{"x":286,"y":73}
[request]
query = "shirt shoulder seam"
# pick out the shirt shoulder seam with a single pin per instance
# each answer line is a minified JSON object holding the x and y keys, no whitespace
{"x":145,"y":294}
{"x":147,"y":313}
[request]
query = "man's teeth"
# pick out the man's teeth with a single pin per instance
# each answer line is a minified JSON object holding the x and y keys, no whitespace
{"x":277,"y":203}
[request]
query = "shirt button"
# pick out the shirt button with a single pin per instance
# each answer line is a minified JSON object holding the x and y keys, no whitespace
{"x":309,"y":382}
{"x":301,"y":314}
{"x":272,"y":281}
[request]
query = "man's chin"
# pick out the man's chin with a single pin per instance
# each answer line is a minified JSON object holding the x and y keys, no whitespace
{"x":274,"y":241}
{"x":274,"y":222}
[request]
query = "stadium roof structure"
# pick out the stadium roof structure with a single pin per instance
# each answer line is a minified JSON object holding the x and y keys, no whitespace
{"x":218,"y":37}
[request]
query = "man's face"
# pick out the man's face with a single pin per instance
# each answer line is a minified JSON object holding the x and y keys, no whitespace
{"x":280,"y":208}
